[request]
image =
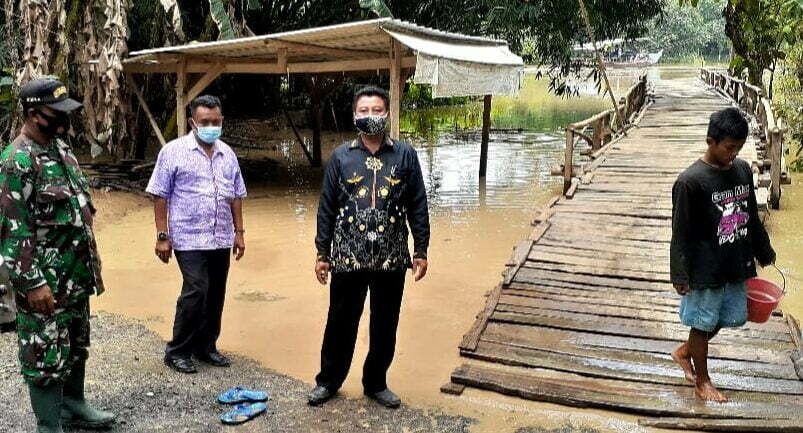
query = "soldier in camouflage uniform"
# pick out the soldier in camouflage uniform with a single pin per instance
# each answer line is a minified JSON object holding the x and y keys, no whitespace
{"x":50,"y":254}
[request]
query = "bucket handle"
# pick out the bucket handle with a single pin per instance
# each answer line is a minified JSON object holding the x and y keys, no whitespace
{"x":782,"y":276}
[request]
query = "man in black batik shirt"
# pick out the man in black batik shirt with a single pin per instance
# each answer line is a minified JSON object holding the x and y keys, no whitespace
{"x":372,"y":189}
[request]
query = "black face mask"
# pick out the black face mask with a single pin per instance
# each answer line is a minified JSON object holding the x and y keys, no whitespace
{"x":54,"y":123}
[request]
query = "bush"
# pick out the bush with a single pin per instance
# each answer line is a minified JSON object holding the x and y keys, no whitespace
{"x":789,"y":104}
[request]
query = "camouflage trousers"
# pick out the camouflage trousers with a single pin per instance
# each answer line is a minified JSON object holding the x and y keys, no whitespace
{"x":50,"y":345}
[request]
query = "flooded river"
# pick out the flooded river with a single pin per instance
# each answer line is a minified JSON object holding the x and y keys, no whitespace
{"x":275,"y":310}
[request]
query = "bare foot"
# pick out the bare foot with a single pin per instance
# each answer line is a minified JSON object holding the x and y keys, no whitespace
{"x":683,"y":358}
{"x":706,"y":391}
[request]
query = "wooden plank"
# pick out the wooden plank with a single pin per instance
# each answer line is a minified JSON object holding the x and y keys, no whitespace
{"x":624,"y":327}
{"x":589,"y":366}
{"x":621,"y":266}
{"x":727,"y":425}
{"x":472,"y":338}
{"x":585,"y":270}
{"x":517,"y":260}
{"x":528,"y":274}
{"x":650,"y":399}
{"x":730,"y":358}
{"x":774,"y":331}
{"x":539,"y":231}
{"x":453,"y":388}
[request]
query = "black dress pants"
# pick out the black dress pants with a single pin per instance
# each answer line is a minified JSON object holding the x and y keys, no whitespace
{"x":346,"y":299}
{"x":199,"y":308}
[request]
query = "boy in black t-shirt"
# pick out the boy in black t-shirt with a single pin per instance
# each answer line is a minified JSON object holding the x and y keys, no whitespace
{"x":716,"y":239}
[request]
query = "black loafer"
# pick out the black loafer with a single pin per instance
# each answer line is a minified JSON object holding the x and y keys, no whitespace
{"x":181,"y":365}
{"x":215,"y":359}
{"x":319,"y":395}
{"x":386,"y":398}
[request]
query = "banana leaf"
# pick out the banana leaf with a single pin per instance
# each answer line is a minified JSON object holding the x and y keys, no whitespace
{"x":217,"y":9}
{"x":376,"y":6}
{"x":174,"y":14}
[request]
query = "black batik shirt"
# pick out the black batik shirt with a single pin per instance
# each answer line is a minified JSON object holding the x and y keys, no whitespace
{"x":716,"y":231}
{"x":366,"y":203}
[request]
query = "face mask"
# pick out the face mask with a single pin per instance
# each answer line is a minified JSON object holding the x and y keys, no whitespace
{"x":371,"y":124}
{"x":208,"y":134}
{"x":62,"y":120}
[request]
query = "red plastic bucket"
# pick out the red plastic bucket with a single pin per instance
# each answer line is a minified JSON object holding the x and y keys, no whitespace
{"x":763,"y":297}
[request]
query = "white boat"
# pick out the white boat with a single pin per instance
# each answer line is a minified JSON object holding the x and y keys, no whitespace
{"x":623,"y":53}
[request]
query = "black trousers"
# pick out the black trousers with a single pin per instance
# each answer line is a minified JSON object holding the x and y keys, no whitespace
{"x":200,"y":306}
{"x":346,"y":300}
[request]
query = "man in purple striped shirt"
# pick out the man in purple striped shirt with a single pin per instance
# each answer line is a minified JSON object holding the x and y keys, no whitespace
{"x":198,"y":191}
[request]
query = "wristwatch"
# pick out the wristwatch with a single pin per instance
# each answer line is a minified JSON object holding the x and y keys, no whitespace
{"x":162,"y":236}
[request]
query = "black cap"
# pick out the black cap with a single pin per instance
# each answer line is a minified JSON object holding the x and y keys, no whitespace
{"x":49,"y":92}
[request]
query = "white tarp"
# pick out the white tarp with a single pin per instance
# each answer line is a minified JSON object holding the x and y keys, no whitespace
{"x":464,"y":68}
{"x":457,"y":78}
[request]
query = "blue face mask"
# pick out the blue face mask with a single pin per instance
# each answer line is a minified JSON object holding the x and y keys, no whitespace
{"x":209,"y":134}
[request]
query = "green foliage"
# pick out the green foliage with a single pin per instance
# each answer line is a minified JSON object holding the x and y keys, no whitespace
{"x":789,"y":104}
{"x":8,"y":102}
{"x":376,"y":6}
{"x":217,"y":10}
{"x":688,"y":33}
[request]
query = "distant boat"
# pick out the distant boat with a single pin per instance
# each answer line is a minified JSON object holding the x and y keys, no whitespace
{"x":623,"y":53}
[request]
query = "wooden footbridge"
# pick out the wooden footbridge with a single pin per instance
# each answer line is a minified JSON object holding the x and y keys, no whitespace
{"x":586,"y":315}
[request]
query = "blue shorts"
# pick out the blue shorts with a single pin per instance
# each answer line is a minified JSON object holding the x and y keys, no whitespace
{"x":709,"y":309}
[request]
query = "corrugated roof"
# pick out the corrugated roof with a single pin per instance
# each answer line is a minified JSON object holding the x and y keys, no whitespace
{"x":350,"y":41}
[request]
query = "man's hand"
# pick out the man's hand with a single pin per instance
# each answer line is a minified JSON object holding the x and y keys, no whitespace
{"x":239,"y":246}
{"x":322,"y":271}
{"x":164,"y":250}
{"x":682,"y":289}
{"x":420,"y":268}
{"x":41,"y":300}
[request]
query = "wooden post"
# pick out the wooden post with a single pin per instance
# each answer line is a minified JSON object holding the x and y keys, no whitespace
{"x":486,"y":134}
{"x":147,"y":110}
{"x":316,"y":98}
{"x":181,"y":97}
{"x":775,"y":139}
{"x":569,"y":160}
{"x":601,"y":64}
{"x":598,"y":134}
{"x":395,"y":85}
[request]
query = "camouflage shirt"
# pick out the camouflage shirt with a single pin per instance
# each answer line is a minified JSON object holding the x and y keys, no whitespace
{"x":46,"y":232}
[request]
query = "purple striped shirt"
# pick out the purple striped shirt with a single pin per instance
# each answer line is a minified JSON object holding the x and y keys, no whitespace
{"x":199,"y":192}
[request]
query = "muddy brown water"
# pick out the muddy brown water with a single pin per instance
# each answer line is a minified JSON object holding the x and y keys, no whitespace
{"x":275,"y":309}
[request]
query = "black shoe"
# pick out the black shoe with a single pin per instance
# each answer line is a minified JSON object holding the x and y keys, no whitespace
{"x":386,"y":398}
{"x":8,"y":327}
{"x":181,"y":365}
{"x":216,"y":359}
{"x":319,"y":395}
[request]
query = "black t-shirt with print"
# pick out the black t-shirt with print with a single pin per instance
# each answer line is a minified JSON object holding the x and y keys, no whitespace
{"x":716,"y":231}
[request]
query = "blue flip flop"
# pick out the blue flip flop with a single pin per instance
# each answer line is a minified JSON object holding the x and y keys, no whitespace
{"x":243,"y":413}
{"x":238,"y":394}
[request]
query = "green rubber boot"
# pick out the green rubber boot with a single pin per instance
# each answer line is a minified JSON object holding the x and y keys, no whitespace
{"x":75,"y":412}
{"x":47,"y":402}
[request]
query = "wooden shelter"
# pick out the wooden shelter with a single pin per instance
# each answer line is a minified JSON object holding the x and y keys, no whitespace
{"x":384,"y":45}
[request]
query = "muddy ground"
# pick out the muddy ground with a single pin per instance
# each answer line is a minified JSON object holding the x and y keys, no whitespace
{"x":126,"y":376}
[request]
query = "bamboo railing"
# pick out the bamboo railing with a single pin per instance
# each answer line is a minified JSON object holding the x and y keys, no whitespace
{"x":598,"y":131}
{"x":752,"y":99}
